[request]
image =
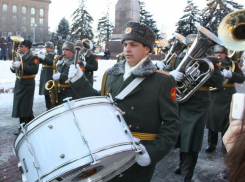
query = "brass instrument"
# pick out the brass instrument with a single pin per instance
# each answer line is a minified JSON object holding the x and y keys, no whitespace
{"x":52,"y":85}
{"x":16,"y":42}
{"x":178,"y":46}
{"x":231,"y":30}
{"x":191,"y":83}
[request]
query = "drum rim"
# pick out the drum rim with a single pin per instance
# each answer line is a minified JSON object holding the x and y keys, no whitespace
{"x":44,"y":121}
{"x":130,"y":161}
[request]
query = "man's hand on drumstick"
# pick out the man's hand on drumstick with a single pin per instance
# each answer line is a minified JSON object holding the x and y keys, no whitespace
{"x":143,"y":158}
{"x":75,"y":73}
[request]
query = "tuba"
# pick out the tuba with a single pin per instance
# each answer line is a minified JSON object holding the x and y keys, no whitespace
{"x":52,"y":85}
{"x":178,"y":46}
{"x":190,"y":83}
{"x":16,"y":42}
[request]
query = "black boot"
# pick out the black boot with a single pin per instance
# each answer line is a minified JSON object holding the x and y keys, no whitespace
{"x":210,"y":149}
{"x":177,"y":170}
{"x":186,"y":179}
{"x":16,"y":133}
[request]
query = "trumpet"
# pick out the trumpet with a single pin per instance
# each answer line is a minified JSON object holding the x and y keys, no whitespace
{"x":191,"y":83}
{"x":16,"y":42}
{"x":178,"y":46}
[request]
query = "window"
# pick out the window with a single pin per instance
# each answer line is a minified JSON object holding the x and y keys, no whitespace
{"x":41,"y":12}
{"x":33,"y":21}
{"x":5,"y":7}
{"x":23,"y":20}
{"x":14,"y":9}
{"x":33,"y":11}
{"x":41,"y":21}
{"x":24,"y":10}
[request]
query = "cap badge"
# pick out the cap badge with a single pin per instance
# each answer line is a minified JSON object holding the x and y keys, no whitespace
{"x":128,"y":30}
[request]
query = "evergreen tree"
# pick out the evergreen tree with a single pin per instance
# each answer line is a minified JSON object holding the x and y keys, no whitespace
{"x":146,"y":19}
{"x":105,"y":28}
{"x":215,"y":11}
{"x":186,"y":24}
{"x":82,"y":21}
{"x":63,"y":28}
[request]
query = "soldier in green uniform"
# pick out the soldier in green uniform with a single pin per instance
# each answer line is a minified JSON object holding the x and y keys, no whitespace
{"x":24,"y":87}
{"x":64,"y":89}
{"x":3,"y":46}
{"x":150,"y":109}
{"x":47,"y":62}
{"x":193,"y":115}
{"x":218,"y":120}
{"x":88,"y":61}
{"x":10,"y":45}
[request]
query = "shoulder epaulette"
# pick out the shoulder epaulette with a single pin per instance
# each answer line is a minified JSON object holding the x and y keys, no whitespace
{"x":163,"y":72}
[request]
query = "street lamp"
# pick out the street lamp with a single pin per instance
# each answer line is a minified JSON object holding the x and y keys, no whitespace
{"x":34,"y":33}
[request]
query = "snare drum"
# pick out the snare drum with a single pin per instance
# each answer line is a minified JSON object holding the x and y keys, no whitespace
{"x":60,"y":150}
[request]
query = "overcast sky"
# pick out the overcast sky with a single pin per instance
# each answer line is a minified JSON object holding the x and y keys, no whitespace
{"x":165,"y":12}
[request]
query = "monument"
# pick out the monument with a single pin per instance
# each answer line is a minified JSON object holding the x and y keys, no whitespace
{"x":125,"y":11}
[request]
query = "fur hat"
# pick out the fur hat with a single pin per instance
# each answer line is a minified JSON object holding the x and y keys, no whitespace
{"x":4,"y":34}
{"x":139,"y":33}
{"x":10,"y":34}
{"x":18,"y":33}
{"x":26,"y":43}
{"x":68,"y":45}
{"x":86,"y":43}
{"x":190,"y":38}
{"x":49,"y":45}
{"x":219,"y":48}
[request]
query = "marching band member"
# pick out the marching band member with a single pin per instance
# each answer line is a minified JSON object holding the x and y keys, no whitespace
{"x":64,"y":89}
{"x":193,"y":116}
{"x":25,"y":87}
{"x":221,"y":99}
{"x":46,"y":72}
{"x":150,"y":109}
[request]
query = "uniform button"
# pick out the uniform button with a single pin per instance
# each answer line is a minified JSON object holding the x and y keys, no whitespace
{"x":130,"y":126}
{"x":63,"y":89}
{"x":132,"y":108}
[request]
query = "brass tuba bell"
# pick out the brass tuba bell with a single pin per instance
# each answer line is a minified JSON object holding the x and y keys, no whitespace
{"x":16,"y":42}
{"x":231,"y":30}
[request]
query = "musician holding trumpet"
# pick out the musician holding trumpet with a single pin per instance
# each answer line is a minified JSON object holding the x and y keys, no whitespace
{"x":193,"y":111}
{"x":150,"y":108}
{"x":221,"y":98}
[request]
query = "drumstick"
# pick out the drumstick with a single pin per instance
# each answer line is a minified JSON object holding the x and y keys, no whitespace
{"x":237,"y":107}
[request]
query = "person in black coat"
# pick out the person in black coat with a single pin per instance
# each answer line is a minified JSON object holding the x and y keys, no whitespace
{"x":24,"y":87}
{"x":47,"y":62}
{"x":3,"y":46}
{"x":10,"y":45}
{"x":107,"y":54}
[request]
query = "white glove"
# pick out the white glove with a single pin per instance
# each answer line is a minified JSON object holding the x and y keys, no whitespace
{"x":84,"y":64}
{"x":226,"y":73}
{"x":190,"y":69}
{"x":160,"y":65}
{"x":12,"y":66}
{"x":75,"y":73}
{"x":17,"y":64}
{"x":178,"y":76}
{"x":144,"y":158}
{"x":41,"y":56}
{"x":56,"y":76}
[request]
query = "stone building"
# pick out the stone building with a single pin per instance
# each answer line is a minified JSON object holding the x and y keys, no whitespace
{"x":30,"y":17}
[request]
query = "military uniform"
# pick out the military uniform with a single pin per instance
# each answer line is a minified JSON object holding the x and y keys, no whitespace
{"x":64,"y":88}
{"x":10,"y":47}
{"x":24,"y":88}
{"x":4,"y":52}
{"x":150,"y":108}
{"x":59,"y":47}
{"x":193,"y":115}
{"x":46,"y":75}
{"x":218,"y":117}
{"x":91,"y":65}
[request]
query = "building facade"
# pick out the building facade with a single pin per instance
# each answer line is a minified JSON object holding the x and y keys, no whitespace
{"x":30,"y":17}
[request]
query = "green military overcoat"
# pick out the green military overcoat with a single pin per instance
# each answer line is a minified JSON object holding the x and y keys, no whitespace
{"x":46,"y":72}
{"x":149,"y":108}
{"x":91,"y":65}
{"x":24,"y":88}
{"x":64,"y":92}
{"x":193,"y":113}
{"x":218,"y":117}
